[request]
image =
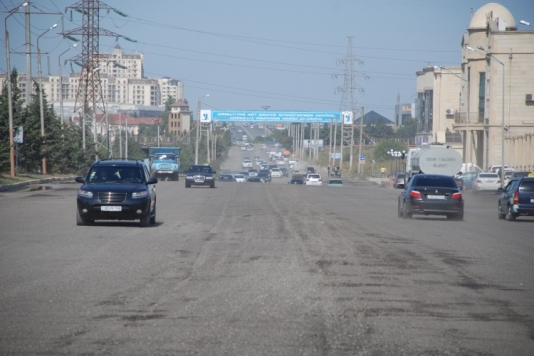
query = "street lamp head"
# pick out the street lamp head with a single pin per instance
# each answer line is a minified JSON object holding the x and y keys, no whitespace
{"x":470,"y":48}
{"x":96,"y":69}
{"x":74,"y":45}
{"x":481,"y":48}
{"x":55,"y":25}
{"x":524,"y":23}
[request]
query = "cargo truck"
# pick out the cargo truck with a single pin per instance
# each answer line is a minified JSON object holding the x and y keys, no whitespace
{"x":432,"y":159}
{"x":165,"y":162}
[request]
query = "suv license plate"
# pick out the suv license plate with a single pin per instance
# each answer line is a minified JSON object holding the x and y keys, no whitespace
{"x":440,"y":197}
{"x":111,"y":208}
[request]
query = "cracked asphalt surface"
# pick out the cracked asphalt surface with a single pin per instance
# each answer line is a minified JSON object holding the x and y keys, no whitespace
{"x":264,"y":269}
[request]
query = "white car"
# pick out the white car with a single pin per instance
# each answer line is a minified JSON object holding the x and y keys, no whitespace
{"x":486,"y":181}
{"x":253,"y":172}
{"x":281,"y":161}
{"x":276,"y":173}
{"x":240,"y":178}
{"x":313,"y":179}
{"x":246,"y":163}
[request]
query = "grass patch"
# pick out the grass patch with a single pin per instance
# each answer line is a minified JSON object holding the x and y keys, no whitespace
{"x":6,"y":179}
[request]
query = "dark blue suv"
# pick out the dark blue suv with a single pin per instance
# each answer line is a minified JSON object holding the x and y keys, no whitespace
{"x":517,"y":198}
{"x":117,"y":190}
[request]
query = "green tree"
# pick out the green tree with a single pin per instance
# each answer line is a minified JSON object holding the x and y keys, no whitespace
{"x":381,"y":149}
{"x":408,"y":130}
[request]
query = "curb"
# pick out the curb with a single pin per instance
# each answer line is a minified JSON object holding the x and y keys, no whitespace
{"x":18,"y":186}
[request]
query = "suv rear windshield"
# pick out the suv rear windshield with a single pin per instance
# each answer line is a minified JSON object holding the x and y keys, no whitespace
{"x":527,"y":186}
{"x":434,"y":182}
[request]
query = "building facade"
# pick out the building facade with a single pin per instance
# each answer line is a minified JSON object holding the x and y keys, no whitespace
{"x":179,"y":119}
{"x":484,"y":107}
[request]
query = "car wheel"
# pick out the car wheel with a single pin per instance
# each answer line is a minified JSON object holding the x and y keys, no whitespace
{"x":187,"y":185}
{"x":510,"y":216}
{"x":501,"y":214}
{"x":212,"y":185}
{"x":145,"y":220}
{"x":399,"y":211}
{"x":405,"y":213}
{"x":153,"y":218}
{"x":80,"y":220}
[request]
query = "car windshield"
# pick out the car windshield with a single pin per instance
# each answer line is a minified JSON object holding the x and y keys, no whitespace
{"x":115,"y":175}
{"x":434,"y":182}
{"x":164,"y":156}
{"x":313,"y":176}
{"x":200,"y":169}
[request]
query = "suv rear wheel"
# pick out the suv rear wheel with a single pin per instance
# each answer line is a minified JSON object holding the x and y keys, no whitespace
{"x":510,"y":216}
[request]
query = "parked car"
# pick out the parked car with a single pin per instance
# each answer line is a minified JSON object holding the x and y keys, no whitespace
{"x":517,"y":199}
{"x":399,"y":181}
{"x":314,"y":179}
{"x":486,"y":181}
{"x":117,"y":190}
{"x":430,"y":194}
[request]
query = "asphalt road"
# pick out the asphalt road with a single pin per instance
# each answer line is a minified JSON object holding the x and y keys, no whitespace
{"x":264,"y":269}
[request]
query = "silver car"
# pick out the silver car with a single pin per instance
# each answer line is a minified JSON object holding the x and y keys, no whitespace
{"x":486,"y":181}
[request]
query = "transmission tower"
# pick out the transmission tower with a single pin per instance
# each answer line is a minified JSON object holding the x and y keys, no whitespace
{"x":89,"y":97}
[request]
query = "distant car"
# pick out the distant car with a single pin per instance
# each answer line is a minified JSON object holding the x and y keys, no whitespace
{"x":239,"y":178}
{"x":399,"y":181}
{"x":280,"y":161}
{"x":254,"y":180}
{"x":276,"y":173}
{"x":313,"y":179}
{"x":199,"y":174}
{"x":507,"y":177}
{"x":285,"y":172}
{"x":335,"y":182}
{"x":226,"y":178}
{"x":239,"y":130}
{"x":310,"y":169}
{"x":292,"y":160}
{"x":296,"y":181}
{"x":247,"y":163}
{"x":486,"y":181}
{"x":517,"y":199}
{"x":264,"y":175}
{"x":468,"y":179}
{"x":429,"y":194}
{"x":252,"y":172}
{"x":117,"y":190}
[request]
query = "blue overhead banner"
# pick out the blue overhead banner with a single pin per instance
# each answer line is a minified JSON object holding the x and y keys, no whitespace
{"x":272,"y":116}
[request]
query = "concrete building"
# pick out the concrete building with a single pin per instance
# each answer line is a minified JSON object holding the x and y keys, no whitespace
{"x":179,"y":119}
{"x":402,"y":111}
{"x":483,"y":107}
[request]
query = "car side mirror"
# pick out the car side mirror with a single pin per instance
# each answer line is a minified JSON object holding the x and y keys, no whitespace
{"x":80,"y":180}
{"x":152,"y":180}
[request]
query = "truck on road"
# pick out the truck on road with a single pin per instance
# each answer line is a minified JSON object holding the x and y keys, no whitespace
{"x":165,"y":162}
{"x":432,"y":159}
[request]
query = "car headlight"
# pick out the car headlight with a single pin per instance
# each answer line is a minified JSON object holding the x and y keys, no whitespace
{"x":85,"y":193}
{"x":137,"y":195}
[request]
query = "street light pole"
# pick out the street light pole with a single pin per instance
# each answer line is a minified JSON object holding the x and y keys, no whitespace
{"x":490,"y":55}
{"x":41,"y":91}
{"x":198,"y":127}
{"x":467,"y":135}
{"x":61,"y":83}
{"x":9,"y":98}
{"x":361,"y":137}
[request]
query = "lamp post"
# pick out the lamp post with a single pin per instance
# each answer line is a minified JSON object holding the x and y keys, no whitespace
{"x":490,"y":55}
{"x":198,"y":127}
{"x":467,"y":146}
{"x":9,"y":98}
{"x":41,"y":90}
{"x":61,"y":83}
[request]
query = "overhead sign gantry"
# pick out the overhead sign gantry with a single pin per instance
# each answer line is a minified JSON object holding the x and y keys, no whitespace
{"x":326,"y":117}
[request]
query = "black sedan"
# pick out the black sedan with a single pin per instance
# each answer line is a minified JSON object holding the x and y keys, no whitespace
{"x":429,"y":194}
{"x":296,"y":181}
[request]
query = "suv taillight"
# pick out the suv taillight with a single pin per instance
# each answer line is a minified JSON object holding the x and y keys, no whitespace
{"x":516,"y":198}
{"x":415,"y":194}
{"x":456,"y":196}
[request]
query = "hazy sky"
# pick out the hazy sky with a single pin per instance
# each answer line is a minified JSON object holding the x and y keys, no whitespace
{"x":284,"y":54}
